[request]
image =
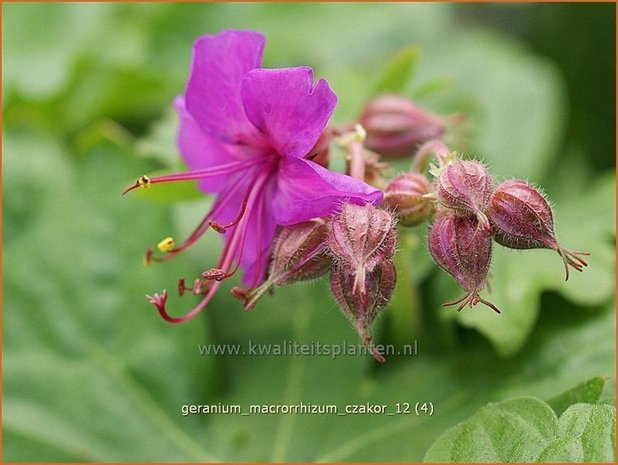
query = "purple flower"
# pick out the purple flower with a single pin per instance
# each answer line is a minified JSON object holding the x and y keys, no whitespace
{"x":244,"y":134}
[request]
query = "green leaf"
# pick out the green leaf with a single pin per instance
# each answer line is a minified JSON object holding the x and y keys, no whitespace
{"x":586,"y":220}
{"x":398,"y":71}
{"x":588,"y":392}
{"x":527,"y":430}
{"x":75,"y":315}
{"x":106,"y":132}
{"x":428,"y":88}
{"x":405,"y":317}
{"x":58,"y":36}
{"x":43,"y":48}
{"x":515,"y":430}
{"x":160,"y":141}
{"x":502,"y":82}
{"x":587,"y":433}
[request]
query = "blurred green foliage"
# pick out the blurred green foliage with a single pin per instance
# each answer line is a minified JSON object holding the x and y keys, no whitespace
{"x":90,"y":371}
{"x":526,"y":429}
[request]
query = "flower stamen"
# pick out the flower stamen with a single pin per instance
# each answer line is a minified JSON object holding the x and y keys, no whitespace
{"x":148,"y":257}
{"x":216,"y":274}
{"x":199,"y":231}
{"x":471,"y":300}
{"x":216,"y":226}
{"x":223,"y":228}
{"x":166,"y":245}
{"x":199,"y":287}
{"x":181,"y":287}
{"x":143,"y":181}
{"x":226,"y":168}
{"x":159,"y":302}
{"x":229,"y":262}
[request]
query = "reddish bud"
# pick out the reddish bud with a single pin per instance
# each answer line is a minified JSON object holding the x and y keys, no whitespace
{"x":362,"y":237}
{"x":299,"y":253}
{"x":406,"y":195}
{"x":462,"y":249}
{"x":362,"y":309}
{"x":395,"y":126}
{"x":522,"y":219}
{"x":465,"y":186}
{"x":199,"y":287}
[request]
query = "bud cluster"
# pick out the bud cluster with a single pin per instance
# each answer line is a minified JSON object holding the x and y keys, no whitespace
{"x":467,"y":210}
{"x":467,"y":213}
{"x":462,"y":247}
{"x":362,"y":241}
{"x":357,"y":245}
{"x":471,"y":212}
{"x":460,"y":239}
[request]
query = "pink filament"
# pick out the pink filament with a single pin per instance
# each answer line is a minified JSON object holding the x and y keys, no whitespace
{"x":202,"y":227}
{"x":227,"y":168}
{"x":232,"y":253}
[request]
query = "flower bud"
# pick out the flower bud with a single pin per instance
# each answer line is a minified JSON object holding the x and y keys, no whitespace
{"x":462,"y":249}
{"x":406,"y":196}
{"x":465,"y":186}
{"x":299,"y":253}
{"x":362,"y":237}
{"x":395,"y":125}
{"x":522,"y":219}
{"x":362,"y":309}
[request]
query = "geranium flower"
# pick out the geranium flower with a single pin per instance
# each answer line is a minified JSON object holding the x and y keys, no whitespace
{"x":244,"y":134}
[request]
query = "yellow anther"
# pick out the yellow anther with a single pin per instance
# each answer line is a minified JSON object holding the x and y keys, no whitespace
{"x":166,"y":245}
{"x":450,"y":158}
{"x":360,"y":134}
{"x":144,"y":181}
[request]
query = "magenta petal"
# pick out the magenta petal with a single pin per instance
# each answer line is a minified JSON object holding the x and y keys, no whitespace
{"x":285,"y":105}
{"x":199,"y":150}
{"x":220,"y":62}
{"x":258,"y":241}
{"x":306,"y":190}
